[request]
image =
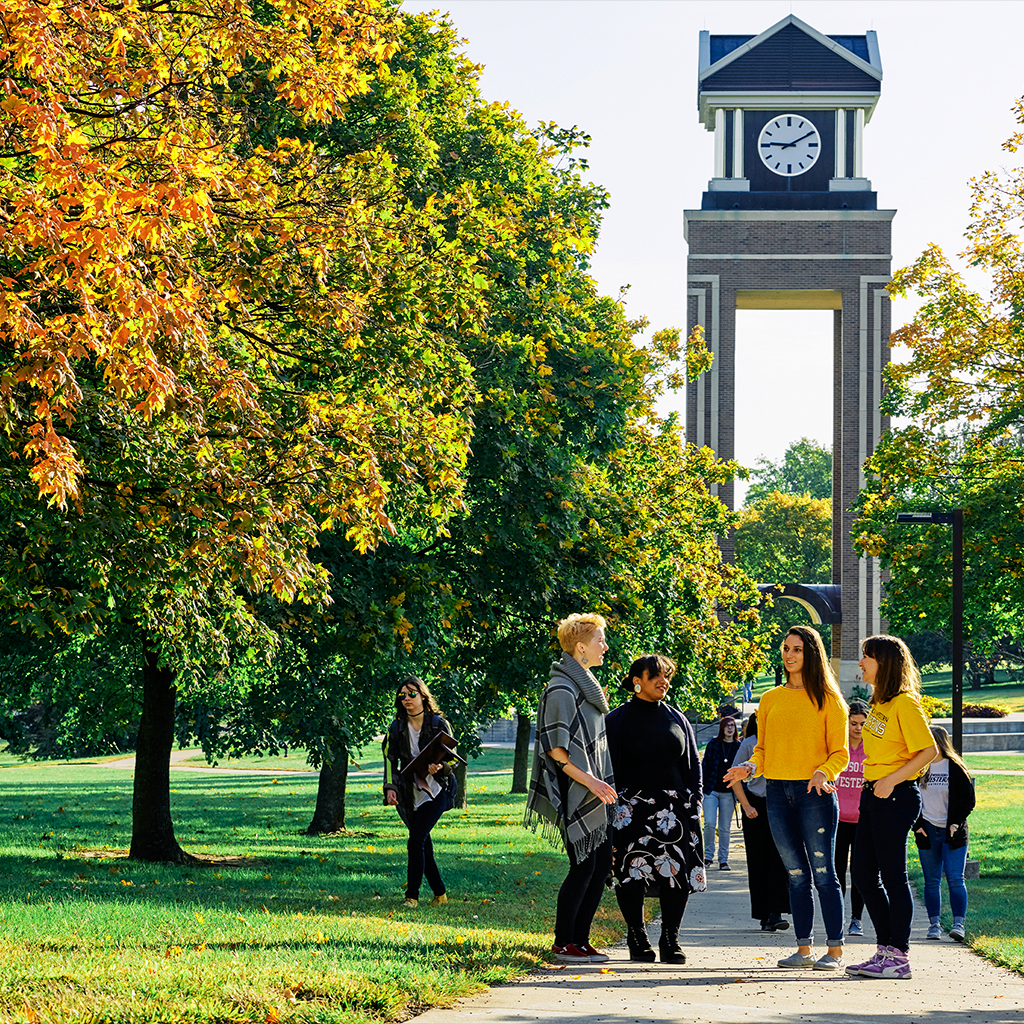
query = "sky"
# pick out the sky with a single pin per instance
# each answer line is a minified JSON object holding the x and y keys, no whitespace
{"x":625,"y":71}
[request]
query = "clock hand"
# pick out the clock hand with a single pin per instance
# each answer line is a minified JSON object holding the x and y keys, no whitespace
{"x":787,"y":145}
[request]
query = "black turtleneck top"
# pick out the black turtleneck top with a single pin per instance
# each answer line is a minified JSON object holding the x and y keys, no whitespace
{"x":652,"y":747}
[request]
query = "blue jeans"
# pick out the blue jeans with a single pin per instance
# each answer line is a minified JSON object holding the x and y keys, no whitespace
{"x":880,"y":861}
{"x":937,"y":860}
{"x":720,"y":807}
{"x":804,"y":829}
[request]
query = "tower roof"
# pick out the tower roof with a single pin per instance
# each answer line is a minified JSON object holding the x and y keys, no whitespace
{"x":789,"y":58}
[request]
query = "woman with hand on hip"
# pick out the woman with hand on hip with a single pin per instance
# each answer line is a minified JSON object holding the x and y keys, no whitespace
{"x":571,"y":783}
{"x":848,"y":786}
{"x":898,"y":746}
{"x":420,"y":801}
{"x":719,"y":799}
{"x":801,"y":748}
{"x":656,"y":835}
{"x":947,"y":797}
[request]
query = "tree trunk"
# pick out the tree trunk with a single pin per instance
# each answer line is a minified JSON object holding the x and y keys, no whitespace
{"x":521,"y":765}
{"x":462,"y":800}
{"x":329,"y":815}
{"x":152,"y":827}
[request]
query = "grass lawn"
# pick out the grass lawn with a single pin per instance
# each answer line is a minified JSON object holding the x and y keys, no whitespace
{"x":288,"y":927}
{"x":368,"y":759}
{"x":1008,"y":760}
{"x":995,"y":912}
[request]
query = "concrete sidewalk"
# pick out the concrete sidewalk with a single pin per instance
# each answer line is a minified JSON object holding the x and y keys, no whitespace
{"x":731,"y":976}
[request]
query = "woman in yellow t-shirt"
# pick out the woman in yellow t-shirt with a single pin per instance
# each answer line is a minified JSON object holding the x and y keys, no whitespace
{"x":801,"y":748}
{"x":898,"y":746}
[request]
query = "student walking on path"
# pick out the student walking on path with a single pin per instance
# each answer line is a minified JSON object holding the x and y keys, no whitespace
{"x":719,"y":799}
{"x":801,"y":748}
{"x":898,"y":745}
{"x":571,"y":783}
{"x":947,"y":798}
{"x":848,"y":787}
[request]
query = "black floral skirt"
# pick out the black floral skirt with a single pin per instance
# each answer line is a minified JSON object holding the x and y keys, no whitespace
{"x":657,"y":840}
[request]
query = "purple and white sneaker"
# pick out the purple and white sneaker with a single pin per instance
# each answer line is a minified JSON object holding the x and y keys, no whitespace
{"x":856,"y":968}
{"x":894,"y":963}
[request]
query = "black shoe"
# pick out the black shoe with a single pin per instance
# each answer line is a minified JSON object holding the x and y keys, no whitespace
{"x":724,"y":867}
{"x":640,"y":947}
{"x":774,"y":923}
{"x":671,"y":953}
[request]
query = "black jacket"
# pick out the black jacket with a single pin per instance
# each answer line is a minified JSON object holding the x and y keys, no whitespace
{"x":718,"y":758}
{"x":398,"y":753}
{"x":961,"y":803}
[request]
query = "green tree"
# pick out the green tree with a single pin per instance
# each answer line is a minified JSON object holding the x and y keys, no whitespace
{"x":805,"y":468}
{"x":213,"y":344}
{"x":962,"y":388}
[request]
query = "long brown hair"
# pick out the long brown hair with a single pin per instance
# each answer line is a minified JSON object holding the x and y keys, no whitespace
{"x":817,"y":671}
{"x":946,"y":749}
{"x":897,"y":672}
{"x":429,"y":704}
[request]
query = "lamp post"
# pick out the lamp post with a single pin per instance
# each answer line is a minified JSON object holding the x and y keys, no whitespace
{"x":956,"y":623}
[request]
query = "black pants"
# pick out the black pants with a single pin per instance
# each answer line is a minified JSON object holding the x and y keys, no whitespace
{"x":421,"y":850}
{"x":844,"y":847}
{"x":580,"y":895}
{"x":880,"y":861}
{"x":767,"y":878}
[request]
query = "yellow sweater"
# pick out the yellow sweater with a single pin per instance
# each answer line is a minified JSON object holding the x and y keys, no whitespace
{"x":795,"y":738}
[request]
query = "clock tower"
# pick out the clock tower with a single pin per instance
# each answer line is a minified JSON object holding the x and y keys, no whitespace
{"x":789,"y":221}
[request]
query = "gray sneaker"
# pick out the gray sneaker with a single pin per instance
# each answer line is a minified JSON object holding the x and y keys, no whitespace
{"x":934,"y":932}
{"x":797,"y":959}
{"x":957,"y":933}
{"x":828,"y":962}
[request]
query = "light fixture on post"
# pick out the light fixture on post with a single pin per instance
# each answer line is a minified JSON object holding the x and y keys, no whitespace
{"x":955,"y":517}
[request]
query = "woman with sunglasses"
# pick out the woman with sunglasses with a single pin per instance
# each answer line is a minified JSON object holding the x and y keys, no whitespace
{"x":420,"y":801}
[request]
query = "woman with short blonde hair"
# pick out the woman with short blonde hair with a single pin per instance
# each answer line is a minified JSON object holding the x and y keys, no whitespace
{"x":571,"y":783}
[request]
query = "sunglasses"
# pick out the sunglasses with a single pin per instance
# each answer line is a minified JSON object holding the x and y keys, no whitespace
{"x":409,"y":695}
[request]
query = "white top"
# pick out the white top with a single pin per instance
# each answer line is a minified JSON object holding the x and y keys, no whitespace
{"x":935,"y":796}
{"x":434,"y":787}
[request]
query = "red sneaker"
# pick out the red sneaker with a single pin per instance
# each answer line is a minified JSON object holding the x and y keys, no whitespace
{"x":571,"y":954}
{"x":596,"y":956}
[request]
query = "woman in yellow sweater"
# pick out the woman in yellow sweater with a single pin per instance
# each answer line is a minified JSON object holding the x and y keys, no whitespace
{"x":898,"y":746}
{"x":801,"y":748}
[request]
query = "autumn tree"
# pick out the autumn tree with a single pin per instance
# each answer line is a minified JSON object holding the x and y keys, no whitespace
{"x":213,"y":343}
{"x":962,"y":388}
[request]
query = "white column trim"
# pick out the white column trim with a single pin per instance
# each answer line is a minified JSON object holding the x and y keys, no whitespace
{"x":720,"y":142}
{"x":858,"y":143}
{"x":713,"y":348}
{"x":840,"y":143}
{"x":737,"y":143}
{"x":868,"y":617}
{"x":701,"y":294}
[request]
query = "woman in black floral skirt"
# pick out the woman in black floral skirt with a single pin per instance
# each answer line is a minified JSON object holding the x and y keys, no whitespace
{"x":656,"y":831}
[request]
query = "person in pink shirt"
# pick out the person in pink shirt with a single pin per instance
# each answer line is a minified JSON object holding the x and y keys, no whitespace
{"x":848,"y":787}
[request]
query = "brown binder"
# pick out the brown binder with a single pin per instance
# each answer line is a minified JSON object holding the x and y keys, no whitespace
{"x":440,"y":750}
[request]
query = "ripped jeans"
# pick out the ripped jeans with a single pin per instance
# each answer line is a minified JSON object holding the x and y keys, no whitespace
{"x":804,"y":829}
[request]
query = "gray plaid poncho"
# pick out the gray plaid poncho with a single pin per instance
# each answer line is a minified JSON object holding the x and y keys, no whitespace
{"x":571,"y":715}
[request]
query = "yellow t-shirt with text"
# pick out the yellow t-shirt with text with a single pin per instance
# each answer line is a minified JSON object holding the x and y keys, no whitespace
{"x":893,"y":733}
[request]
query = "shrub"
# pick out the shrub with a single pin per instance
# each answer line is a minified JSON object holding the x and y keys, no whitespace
{"x":983,"y":711}
{"x":935,"y":708}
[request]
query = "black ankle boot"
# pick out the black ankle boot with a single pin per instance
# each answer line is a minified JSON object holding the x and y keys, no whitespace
{"x":640,"y":948}
{"x":671,"y":951}
{"x":673,"y":905}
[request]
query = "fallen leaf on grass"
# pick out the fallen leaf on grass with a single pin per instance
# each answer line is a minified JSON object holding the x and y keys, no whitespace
{"x":272,"y":1017}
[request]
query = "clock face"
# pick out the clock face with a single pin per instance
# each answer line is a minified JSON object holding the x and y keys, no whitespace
{"x":789,"y":145}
